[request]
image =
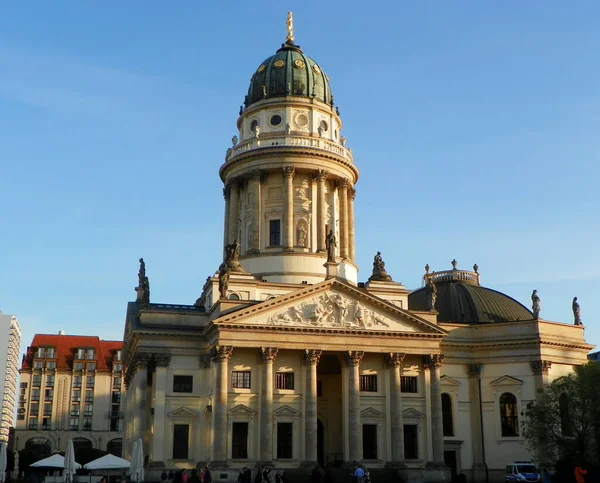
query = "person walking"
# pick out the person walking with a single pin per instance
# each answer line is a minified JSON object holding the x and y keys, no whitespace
{"x":359,"y":474}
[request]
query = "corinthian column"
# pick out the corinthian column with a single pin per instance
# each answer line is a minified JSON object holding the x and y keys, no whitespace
{"x":254,"y":187}
{"x":351,"y":242}
{"x":267,"y":356}
{"x":311,"y":359}
{"x":394,"y":360}
{"x":474,"y":371}
{"x":343,"y":197}
{"x":353,"y":359}
{"x":321,"y":210}
{"x":288,"y":220}
{"x":226,"y":224}
{"x":160,"y":391}
{"x":234,"y":208}
{"x":433,"y":363}
{"x":221,"y":355}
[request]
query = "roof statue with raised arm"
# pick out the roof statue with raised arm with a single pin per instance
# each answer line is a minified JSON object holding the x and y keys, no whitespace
{"x":290,"y":28}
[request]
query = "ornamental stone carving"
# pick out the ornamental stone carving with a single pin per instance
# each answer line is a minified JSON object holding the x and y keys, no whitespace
{"x":268,"y":354}
{"x":433,"y":361}
{"x":540,"y":367}
{"x":333,"y":310}
{"x":474,"y":370}
{"x":288,"y":171}
{"x":353,"y":358}
{"x":395,"y":358}
{"x":221,"y":353}
{"x":312,"y":356}
{"x":161,"y":360}
{"x":204,"y":361}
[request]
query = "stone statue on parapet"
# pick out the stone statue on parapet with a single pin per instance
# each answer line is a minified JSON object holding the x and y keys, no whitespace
{"x":379,"y":272}
{"x":232,"y":257}
{"x":431,"y":294}
{"x":143,"y":288}
{"x":331,"y":245}
{"x":223,"y":280}
{"x":576,"y":312}
{"x":535,"y":304}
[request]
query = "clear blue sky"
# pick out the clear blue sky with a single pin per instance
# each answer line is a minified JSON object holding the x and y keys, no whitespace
{"x":115,"y":117}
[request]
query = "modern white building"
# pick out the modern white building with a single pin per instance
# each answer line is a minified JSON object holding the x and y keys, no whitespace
{"x":286,"y":359}
{"x":10,"y":343}
{"x":71,"y":388}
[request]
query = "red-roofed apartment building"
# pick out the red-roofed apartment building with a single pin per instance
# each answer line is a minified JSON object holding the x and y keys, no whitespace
{"x":71,"y":388}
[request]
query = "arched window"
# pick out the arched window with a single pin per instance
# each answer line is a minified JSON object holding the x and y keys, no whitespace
{"x":565,"y":420}
{"x":81,"y":445}
{"x":509,"y":417}
{"x":40,"y":447}
{"x":447,"y":421}
{"x":115,"y":447}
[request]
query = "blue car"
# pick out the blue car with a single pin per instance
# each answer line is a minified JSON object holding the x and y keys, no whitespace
{"x":522,"y":471}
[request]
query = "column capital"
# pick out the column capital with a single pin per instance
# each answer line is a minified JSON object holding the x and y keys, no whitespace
{"x":321,"y":175}
{"x":161,"y":360}
{"x":204,"y":361}
{"x":432,"y":361}
{"x":256,"y":175}
{"x":312,"y":356}
{"x":540,"y":367}
{"x":344,"y":184}
{"x":221,"y":353}
{"x":353,"y":358}
{"x":268,"y":354}
{"x":352,"y":193}
{"x":474,"y":370}
{"x":395,"y":359}
{"x":289,"y":171}
{"x":226,"y":191}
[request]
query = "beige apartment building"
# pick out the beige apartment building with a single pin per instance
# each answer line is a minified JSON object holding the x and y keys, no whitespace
{"x":287,"y":359}
{"x":10,"y":344}
{"x":70,"y":388}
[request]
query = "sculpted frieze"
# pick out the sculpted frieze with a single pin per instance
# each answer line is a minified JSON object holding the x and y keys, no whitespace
{"x":334,"y":310}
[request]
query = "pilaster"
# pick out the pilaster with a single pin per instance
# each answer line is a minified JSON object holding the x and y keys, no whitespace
{"x":160,"y":391}
{"x":351,"y":241}
{"x":434,"y":363}
{"x":254,"y":186}
{"x":540,"y":369}
{"x":234,"y":211}
{"x":288,"y":225}
{"x":343,"y":197}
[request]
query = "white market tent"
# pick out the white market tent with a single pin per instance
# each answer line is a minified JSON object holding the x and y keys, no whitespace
{"x":108,"y":462}
{"x":54,"y":461}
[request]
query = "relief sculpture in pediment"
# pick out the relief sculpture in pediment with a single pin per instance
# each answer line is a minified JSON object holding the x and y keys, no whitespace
{"x":330,"y":310}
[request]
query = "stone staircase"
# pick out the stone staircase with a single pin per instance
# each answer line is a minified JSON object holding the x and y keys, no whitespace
{"x":343,"y":475}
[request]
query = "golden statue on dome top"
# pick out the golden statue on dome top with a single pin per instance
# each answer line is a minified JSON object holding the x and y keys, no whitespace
{"x":290,"y":28}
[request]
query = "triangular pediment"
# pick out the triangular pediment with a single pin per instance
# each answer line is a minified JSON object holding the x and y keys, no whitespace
{"x":242,"y":410}
{"x":506,"y":381}
{"x":371,"y":413}
{"x":286,"y":411}
{"x":448,"y":381}
{"x":412,"y":413}
{"x":182,"y":413}
{"x":332,"y":304}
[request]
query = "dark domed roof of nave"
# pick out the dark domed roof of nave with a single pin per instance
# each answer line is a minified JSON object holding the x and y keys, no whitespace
{"x":461,"y":299}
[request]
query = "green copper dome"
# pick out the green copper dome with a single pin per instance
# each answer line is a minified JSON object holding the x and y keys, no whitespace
{"x":289,"y":73}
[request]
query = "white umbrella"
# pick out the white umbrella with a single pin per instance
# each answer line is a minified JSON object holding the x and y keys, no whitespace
{"x":54,"y":461}
{"x":16,"y":466}
{"x":137,"y":462}
{"x":70,"y":464}
{"x":107,"y":462}
{"x":3,"y":462}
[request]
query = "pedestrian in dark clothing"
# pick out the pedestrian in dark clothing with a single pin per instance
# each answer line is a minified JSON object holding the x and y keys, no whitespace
{"x":315,"y":476}
{"x":258,"y":477}
{"x":171,"y":475}
{"x":194,"y":478}
{"x":163,"y":476}
{"x":206,"y":476}
{"x":328,"y":477}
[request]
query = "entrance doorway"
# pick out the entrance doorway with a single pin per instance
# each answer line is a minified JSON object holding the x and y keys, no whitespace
{"x":450,"y":460}
{"x":320,"y":443}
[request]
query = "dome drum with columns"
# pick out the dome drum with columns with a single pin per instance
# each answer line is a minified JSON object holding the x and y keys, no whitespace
{"x":285,"y":360}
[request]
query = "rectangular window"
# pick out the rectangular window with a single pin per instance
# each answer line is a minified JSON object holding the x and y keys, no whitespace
{"x":117,"y":382}
{"x":275,"y":233}
{"x":36,"y":380}
{"x":33,"y":424}
{"x":47,"y":409}
{"x":34,"y":409}
{"x":116,"y":398}
{"x":49,"y":381}
{"x":23,"y":385}
{"x":77,"y":381}
{"x":240,"y":379}
{"x":368,"y":383}
{"x":181,"y":435}
{"x":74,"y":409}
{"x":369,"y":435}
{"x":74,"y":424}
{"x":51,"y":365}
{"x":76,"y":395}
{"x":40,"y":353}
{"x":114,"y":425}
{"x":408,"y":384}
{"x":87,"y":424}
{"x":411,"y":442}
{"x":285,"y":439}
{"x":117,"y":356}
{"x":239,"y":441}
{"x":89,"y":381}
{"x":90,"y":366}
{"x":38,"y":364}
{"x":90,"y":355}
{"x":183,"y":383}
{"x":80,"y":354}
{"x":35,"y":394}
{"x":89,"y":396}
{"x":117,"y":367}
{"x":88,"y":410}
{"x":48,"y":394}
{"x":284,"y":380}
{"x":78,"y":366}
{"x":49,"y":352}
